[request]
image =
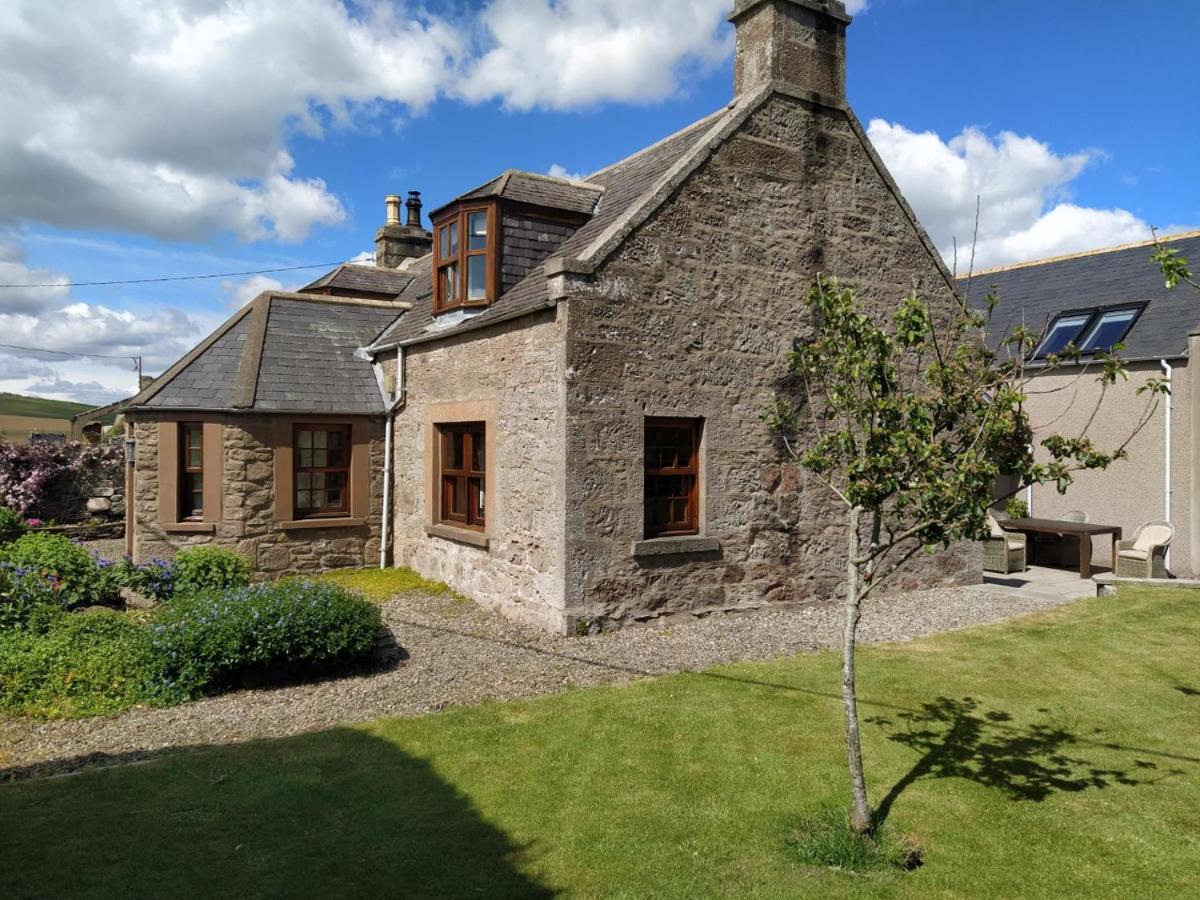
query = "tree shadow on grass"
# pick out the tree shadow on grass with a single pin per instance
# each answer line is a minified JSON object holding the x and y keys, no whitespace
{"x":959,"y":738}
{"x":332,"y":814}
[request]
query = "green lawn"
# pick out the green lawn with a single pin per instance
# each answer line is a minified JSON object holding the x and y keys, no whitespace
{"x":1055,"y":756}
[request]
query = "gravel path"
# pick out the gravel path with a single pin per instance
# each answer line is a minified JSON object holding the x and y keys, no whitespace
{"x":459,"y":654}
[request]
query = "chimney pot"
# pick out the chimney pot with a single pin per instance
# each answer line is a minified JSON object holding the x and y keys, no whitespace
{"x":800,"y":43}
{"x":414,"y":209}
{"x":393,"y":209}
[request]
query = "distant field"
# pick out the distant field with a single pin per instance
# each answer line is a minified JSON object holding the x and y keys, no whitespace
{"x":38,"y":407}
{"x":18,"y":428}
{"x":21,"y":416}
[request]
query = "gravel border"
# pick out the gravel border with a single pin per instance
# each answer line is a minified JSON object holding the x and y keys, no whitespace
{"x":457,"y":653}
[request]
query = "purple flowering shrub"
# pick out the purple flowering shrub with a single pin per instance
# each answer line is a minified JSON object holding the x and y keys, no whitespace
{"x":79,"y":578}
{"x":28,"y":598}
{"x":209,"y":641}
{"x":52,"y":481}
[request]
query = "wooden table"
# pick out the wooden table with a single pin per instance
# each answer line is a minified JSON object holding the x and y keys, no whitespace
{"x":1083,"y":530}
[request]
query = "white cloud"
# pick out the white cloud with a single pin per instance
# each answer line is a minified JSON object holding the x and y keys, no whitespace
{"x":1023,"y":186}
{"x":80,"y":391}
{"x":573,"y":53}
{"x":242,"y":292}
{"x":856,"y":7}
{"x":171,"y":118}
{"x":557,"y":171}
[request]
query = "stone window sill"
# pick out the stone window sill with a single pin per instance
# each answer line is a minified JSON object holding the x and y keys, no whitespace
{"x":343,"y":522}
{"x":460,"y":535}
{"x":673,"y":546}
{"x":190,"y":528}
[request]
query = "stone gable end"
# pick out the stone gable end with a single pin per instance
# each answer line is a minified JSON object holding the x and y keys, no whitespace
{"x":694,"y":316}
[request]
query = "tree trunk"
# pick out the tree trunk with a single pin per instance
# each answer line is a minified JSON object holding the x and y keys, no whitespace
{"x":860,"y":809}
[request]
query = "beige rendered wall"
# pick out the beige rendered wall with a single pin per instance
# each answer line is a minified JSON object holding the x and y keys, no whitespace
{"x":1131,"y":491}
{"x":243,"y":515}
{"x":511,"y":377}
{"x":694,"y":316}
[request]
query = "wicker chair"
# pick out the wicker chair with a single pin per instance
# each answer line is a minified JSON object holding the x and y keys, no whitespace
{"x":1145,"y":555}
{"x":1003,"y":551}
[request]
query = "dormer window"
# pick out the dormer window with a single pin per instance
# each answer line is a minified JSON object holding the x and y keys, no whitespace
{"x":464,"y":258}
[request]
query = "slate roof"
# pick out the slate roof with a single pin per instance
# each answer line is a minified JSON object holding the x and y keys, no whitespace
{"x":1034,"y":293}
{"x":281,"y":353}
{"x":537,"y":190}
{"x":625,"y":184}
{"x":367,"y":279}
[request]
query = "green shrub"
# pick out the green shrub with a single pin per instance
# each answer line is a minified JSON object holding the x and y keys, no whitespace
{"x":205,"y":642}
{"x":826,"y":839}
{"x":1016,"y":508}
{"x":12,"y":525}
{"x":22,"y":593}
{"x":76,"y":573}
{"x":204,"y":569}
{"x":154,"y":579}
{"x":80,"y":664}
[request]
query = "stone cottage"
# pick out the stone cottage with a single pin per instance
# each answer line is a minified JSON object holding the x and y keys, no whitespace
{"x":551,"y":400}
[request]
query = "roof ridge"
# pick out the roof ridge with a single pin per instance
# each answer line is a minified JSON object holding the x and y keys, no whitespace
{"x":557,"y":179}
{"x":343,"y":301}
{"x":1079,"y":254}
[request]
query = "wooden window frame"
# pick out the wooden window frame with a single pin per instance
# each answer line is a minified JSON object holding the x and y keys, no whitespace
{"x":187,"y":511}
{"x":325,"y":512}
{"x":491,"y":254}
{"x":691,"y":523}
{"x":472,"y":480}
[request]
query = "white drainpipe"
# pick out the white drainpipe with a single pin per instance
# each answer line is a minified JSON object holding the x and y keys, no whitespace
{"x":1167,"y":373}
{"x":389,"y":423}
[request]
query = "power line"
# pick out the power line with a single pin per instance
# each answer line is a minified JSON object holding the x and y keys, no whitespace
{"x":136,"y":359}
{"x":60,"y":284}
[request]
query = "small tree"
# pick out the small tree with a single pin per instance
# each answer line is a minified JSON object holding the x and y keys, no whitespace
{"x":909,"y":423}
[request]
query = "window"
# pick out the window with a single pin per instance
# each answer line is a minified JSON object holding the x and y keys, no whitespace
{"x":462,"y":467}
{"x":191,"y":470}
{"x":321,"y":458}
{"x":672,"y":463}
{"x":1062,"y":331}
{"x":1100,"y":328}
{"x":1109,"y":328}
{"x":464,"y":259}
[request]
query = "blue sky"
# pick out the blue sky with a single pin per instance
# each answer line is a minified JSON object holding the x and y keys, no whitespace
{"x":1072,"y":119}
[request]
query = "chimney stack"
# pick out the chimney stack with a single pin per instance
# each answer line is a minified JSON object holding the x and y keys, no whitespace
{"x":797,"y":43}
{"x":394,"y":242}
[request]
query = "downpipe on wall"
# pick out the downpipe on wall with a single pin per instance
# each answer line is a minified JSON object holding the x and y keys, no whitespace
{"x":388,"y":464}
{"x":1168,"y":372}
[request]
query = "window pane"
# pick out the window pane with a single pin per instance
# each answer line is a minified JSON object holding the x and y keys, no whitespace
{"x":335,"y":486}
{"x":476,"y":277}
{"x":305,"y":459}
{"x":304,"y":500}
{"x":459,"y":506}
{"x":305,"y":439}
{"x":320,"y":438}
{"x":454,"y":448}
{"x":443,"y":242}
{"x":1062,"y":331}
{"x":318,"y":481}
{"x":478,"y":452}
{"x":320,"y":458}
{"x":449,"y":276}
{"x":480,"y":502}
{"x":193,"y":459}
{"x":477,"y":231}
{"x":303,"y":480}
{"x":452,"y":237}
{"x":337,"y":448}
{"x":1109,"y":330}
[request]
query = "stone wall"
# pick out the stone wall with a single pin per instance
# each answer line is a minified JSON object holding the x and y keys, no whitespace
{"x":511,"y":376}
{"x":247,"y":523}
{"x":694,"y":316}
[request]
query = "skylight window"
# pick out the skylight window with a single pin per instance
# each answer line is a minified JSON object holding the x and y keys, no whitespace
{"x":1062,"y":331}
{"x":1108,"y":329}
{"x":1089,"y":330}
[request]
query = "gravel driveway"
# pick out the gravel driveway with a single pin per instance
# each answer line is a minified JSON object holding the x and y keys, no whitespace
{"x":458,"y":654}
